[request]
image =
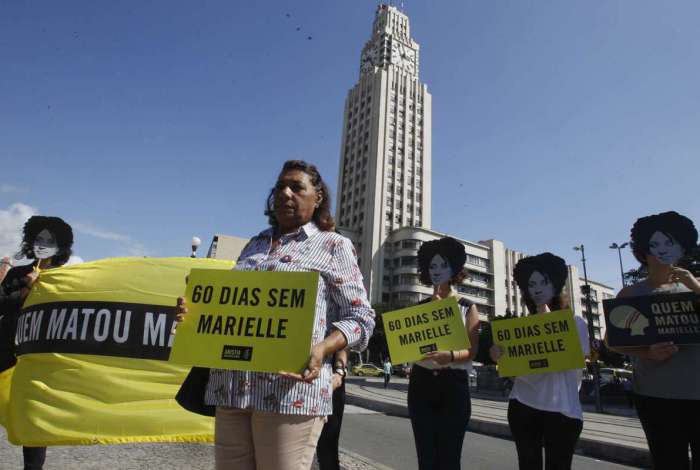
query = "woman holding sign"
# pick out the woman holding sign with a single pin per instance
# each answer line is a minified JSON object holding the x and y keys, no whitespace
{"x":666,"y":379}
{"x":544,"y":409}
{"x":47,"y":240}
{"x":439,"y":403}
{"x":273,"y":421}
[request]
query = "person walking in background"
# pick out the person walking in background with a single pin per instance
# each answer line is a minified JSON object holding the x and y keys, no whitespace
{"x":387,"y":373}
{"x":544,"y":410}
{"x":439,"y":403}
{"x":273,"y":421}
{"x":48,"y":241}
{"x":666,"y":381}
{"x":328,"y":444}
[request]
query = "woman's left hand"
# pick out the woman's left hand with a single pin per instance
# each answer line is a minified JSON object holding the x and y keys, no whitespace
{"x":686,"y":278}
{"x":313,"y":367}
{"x":440,"y":357}
{"x":336,"y":381}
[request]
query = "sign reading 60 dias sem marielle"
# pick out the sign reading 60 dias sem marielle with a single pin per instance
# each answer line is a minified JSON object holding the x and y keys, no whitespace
{"x":546,"y":342}
{"x":242,"y":320}
{"x":413,"y":332}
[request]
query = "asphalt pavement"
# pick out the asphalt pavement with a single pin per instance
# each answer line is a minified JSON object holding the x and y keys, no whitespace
{"x":369,"y":441}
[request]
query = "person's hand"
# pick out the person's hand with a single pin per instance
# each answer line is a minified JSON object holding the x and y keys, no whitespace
{"x":440,"y":357}
{"x":180,"y":309}
{"x":5,"y":266}
{"x":662,"y":351}
{"x":686,"y":278}
{"x":441,"y":291}
{"x":29,"y":280}
{"x":180,"y":312}
{"x":336,"y":381}
{"x":495,"y":352}
{"x":313,"y":367}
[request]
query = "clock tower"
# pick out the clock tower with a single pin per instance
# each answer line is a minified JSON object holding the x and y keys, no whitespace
{"x":384,"y":179}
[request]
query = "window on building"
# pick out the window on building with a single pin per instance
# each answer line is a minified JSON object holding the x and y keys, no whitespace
{"x":409,"y":261}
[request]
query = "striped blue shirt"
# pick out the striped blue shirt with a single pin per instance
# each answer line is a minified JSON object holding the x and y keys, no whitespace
{"x":341,"y":304}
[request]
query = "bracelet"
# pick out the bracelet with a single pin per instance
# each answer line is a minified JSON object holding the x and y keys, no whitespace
{"x":452,"y":353}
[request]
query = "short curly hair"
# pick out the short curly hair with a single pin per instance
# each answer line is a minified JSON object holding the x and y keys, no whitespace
{"x":62,"y":232}
{"x":322,"y":215}
{"x":447,"y":247}
{"x":672,"y":224}
{"x":550,"y":266}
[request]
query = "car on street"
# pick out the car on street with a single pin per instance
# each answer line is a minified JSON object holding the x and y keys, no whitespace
{"x":368,"y":369}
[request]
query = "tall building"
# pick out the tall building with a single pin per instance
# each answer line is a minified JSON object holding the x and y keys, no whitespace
{"x":385,"y":162}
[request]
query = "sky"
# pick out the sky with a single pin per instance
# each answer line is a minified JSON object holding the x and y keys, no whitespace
{"x":144,"y":123}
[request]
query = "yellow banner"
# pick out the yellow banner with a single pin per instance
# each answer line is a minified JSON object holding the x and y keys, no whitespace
{"x":104,"y":317}
{"x":415,"y":331}
{"x":546,"y":342}
{"x":242,"y":320}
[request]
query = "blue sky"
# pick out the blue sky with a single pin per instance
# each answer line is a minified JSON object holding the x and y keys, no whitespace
{"x":144,"y":123}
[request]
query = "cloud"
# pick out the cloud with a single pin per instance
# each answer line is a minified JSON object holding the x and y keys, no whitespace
{"x":12,"y":221}
{"x":129,"y":246}
{"x":74,"y":260}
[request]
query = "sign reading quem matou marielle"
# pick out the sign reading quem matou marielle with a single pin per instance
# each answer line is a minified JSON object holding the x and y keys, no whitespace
{"x":640,"y":321}
{"x":95,"y":327}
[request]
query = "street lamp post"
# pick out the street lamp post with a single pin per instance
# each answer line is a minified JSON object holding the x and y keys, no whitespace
{"x":591,"y":332}
{"x":619,"y":249}
{"x":195,"y":244}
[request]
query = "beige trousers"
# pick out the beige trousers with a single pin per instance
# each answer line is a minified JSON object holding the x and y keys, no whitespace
{"x":254,"y":440}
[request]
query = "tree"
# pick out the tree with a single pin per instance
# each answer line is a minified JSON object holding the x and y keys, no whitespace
{"x":635,"y":275}
{"x":377,"y":349}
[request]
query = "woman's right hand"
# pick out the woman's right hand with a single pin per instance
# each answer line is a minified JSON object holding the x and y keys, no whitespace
{"x":495,"y":352}
{"x":180,"y":309}
{"x":29,"y":281}
{"x":661,"y":351}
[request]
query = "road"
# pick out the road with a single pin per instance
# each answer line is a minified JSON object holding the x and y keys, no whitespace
{"x":370,"y":441}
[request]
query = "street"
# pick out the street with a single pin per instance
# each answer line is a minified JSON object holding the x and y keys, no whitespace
{"x":370,"y":441}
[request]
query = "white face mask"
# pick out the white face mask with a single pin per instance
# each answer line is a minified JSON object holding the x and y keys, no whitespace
{"x":439,"y":270}
{"x":44,"y":245}
{"x":540,"y":289}
{"x":665,"y":249}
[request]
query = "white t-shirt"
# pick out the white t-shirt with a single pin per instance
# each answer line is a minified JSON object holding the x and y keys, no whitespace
{"x":554,"y":391}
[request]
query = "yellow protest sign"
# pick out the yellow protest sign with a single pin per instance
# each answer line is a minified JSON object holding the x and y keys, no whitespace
{"x":415,"y":331}
{"x":546,"y":342}
{"x":243,"y":320}
{"x":93,"y":346}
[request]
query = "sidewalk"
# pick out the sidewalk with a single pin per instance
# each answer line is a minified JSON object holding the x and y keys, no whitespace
{"x":605,"y":436}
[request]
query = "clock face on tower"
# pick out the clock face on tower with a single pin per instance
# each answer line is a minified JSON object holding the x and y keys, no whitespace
{"x":403,"y":57}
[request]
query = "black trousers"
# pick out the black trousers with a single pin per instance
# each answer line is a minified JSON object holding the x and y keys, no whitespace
{"x":671,"y":426}
{"x":34,"y":457}
{"x":440,"y":407}
{"x":533,"y":429}
{"x":387,"y":378}
{"x":327,"y":447}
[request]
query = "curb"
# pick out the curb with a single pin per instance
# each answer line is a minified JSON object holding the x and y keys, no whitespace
{"x":607,"y":451}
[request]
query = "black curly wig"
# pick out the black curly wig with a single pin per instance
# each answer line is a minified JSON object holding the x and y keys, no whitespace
{"x":447,"y":247}
{"x":550,"y":266}
{"x":672,"y":224}
{"x":62,"y":232}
